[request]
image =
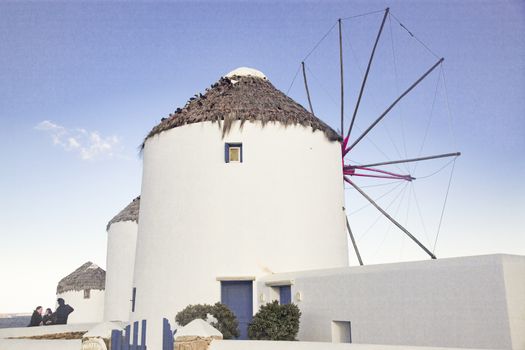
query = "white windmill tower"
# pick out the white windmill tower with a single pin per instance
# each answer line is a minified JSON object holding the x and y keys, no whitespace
{"x":83,"y":289}
{"x":240,"y":183}
{"x":120,"y":262}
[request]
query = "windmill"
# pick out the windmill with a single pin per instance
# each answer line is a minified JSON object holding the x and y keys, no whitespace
{"x":349,"y":140}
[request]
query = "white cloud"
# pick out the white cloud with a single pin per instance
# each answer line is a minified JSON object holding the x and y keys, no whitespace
{"x":87,"y":144}
{"x":47,"y":125}
{"x":73,"y":143}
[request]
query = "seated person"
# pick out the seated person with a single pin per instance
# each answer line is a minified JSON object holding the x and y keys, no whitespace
{"x":48,"y":318}
{"x":36,"y":318}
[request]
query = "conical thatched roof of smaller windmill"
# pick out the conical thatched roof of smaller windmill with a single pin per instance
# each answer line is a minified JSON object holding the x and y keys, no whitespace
{"x":243,"y":95}
{"x":87,"y":276}
{"x":129,"y":213}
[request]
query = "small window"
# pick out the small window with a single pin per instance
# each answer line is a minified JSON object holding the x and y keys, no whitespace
{"x":87,"y":293}
{"x":233,"y":152}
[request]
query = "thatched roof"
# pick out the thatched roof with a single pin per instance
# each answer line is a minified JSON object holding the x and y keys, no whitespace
{"x":87,"y":276}
{"x":129,"y":213}
{"x":245,"y":98}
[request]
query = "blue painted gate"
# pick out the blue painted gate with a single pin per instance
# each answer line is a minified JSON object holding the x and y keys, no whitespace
{"x":238,"y":296}
{"x":128,"y":340}
{"x":167,"y":335}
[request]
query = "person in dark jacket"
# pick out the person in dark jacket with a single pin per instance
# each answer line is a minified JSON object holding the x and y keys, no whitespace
{"x":62,"y":312}
{"x":36,"y":318}
{"x":48,"y":318}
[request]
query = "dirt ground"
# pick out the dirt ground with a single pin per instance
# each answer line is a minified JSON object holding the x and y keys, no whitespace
{"x":57,"y":336}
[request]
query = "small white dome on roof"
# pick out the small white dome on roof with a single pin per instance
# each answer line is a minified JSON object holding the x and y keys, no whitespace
{"x":245,"y":72}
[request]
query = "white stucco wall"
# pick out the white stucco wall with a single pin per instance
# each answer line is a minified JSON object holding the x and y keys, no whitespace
{"x":86,"y":310}
{"x":201,"y":218}
{"x":26,"y":344}
{"x":120,"y":262}
{"x":470,"y":302}
{"x":514,"y":273}
{"x":54,"y":329}
{"x":294,"y":345}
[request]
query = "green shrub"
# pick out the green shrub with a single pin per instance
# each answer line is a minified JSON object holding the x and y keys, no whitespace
{"x":275,"y":322}
{"x":192,"y":312}
{"x":226,"y":322}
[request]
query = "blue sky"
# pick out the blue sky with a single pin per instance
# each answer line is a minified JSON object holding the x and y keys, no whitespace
{"x":83,"y":82}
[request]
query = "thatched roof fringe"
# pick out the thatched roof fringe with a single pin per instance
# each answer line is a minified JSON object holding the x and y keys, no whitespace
{"x":129,"y":213}
{"x":243,"y":98}
{"x":87,"y":276}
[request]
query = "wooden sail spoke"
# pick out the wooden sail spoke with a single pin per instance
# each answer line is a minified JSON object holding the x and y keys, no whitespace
{"x":445,"y":155}
{"x":306,"y":87}
{"x":353,"y":242}
{"x":368,"y":198}
{"x":392,"y":105}
{"x":366,"y":73}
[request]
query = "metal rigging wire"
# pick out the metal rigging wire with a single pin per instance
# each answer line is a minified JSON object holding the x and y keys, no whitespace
{"x":410,"y":189}
{"x":293,"y":80}
{"x":377,"y":185}
{"x":363,"y":14}
{"x":378,"y":198}
{"x":444,"y":204}
{"x":396,"y":78}
{"x":420,"y":214}
{"x":379,"y":216}
{"x":439,"y":170}
{"x":390,"y":226}
{"x":413,"y":36}
{"x":324,"y":37}
{"x":319,"y":42}
{"x":450,"y":117}
{"x":429,"y":122}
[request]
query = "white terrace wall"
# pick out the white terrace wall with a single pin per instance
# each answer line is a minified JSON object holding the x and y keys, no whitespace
{"x":86,"y":310}
{"x":54,"y":329}
{"x":471,"y":302}
{"x":514,"y":275}
{"x":120,"y":262}
{"x":293,"y":345}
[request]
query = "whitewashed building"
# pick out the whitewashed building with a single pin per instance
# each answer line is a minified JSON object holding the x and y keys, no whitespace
{"x":242,"y":202}
{"x":467,"y":302}
{"x":83,"y":289}
{"x":120,"y":262}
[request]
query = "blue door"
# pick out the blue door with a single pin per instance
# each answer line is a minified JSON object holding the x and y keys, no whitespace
{"x":285,"y":295}
{"x":238,"y":296}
